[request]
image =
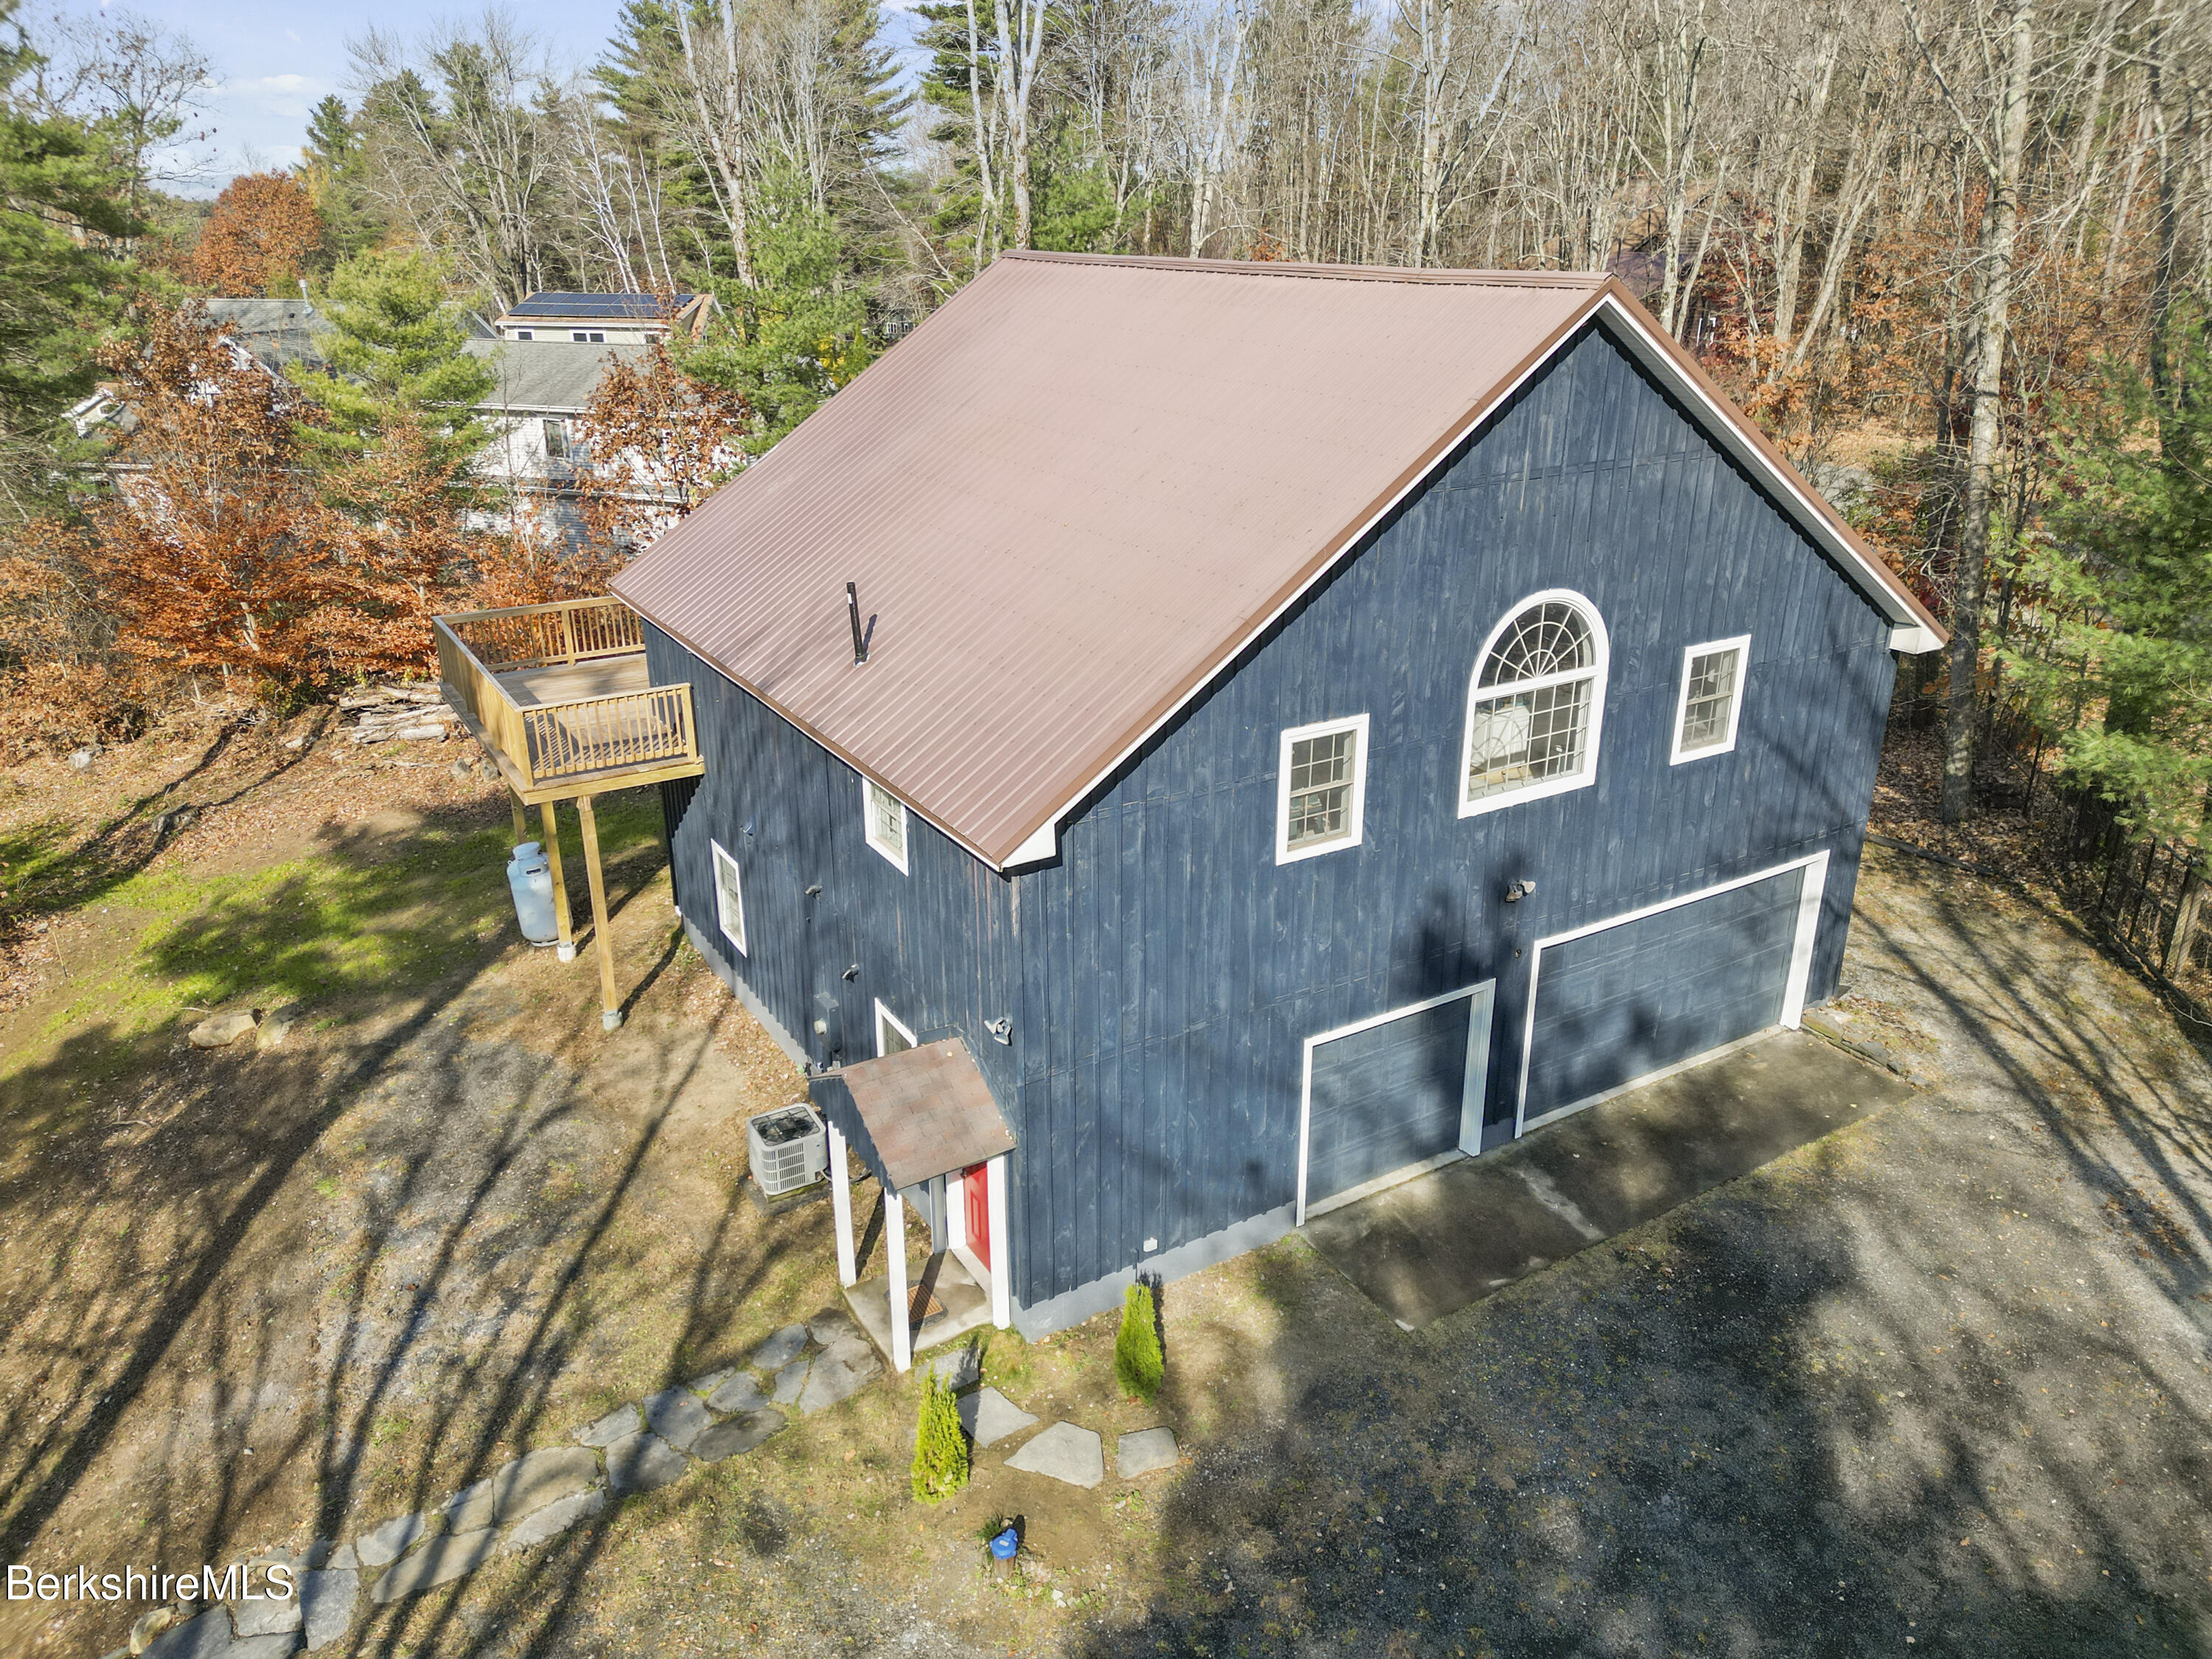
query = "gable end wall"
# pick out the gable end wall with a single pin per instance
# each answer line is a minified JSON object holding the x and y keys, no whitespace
{"x":1171,"y":969}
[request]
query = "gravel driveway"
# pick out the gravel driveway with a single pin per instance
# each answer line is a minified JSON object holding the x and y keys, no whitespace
{"x":1938,"y":1383}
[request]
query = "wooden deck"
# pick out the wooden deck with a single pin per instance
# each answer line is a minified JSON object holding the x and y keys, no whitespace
{"x":561,"y":698}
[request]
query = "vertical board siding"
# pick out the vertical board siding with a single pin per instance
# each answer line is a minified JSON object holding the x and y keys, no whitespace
{"x":936,"y":943}
{"x":1170,"y":971}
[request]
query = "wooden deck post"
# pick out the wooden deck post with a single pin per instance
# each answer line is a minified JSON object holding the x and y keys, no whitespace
{"x":841,"y":1209}
{"x":521,"y":820}
{"x":894,"y":1257}
{"x":568,"y":951}
{"x":610,"y":1004}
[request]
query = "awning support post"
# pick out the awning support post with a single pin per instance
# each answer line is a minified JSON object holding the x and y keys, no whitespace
{"x":566,"y":952}
{"x":841,"y":1209}
{"x":895,"y":1254}
{"x":1002,"y":1253}
{"x":610,"y":1004}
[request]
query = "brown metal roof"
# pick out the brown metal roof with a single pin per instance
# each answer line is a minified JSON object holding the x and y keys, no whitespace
{"x":928,"y":1110}
{"x":1072,"y":495}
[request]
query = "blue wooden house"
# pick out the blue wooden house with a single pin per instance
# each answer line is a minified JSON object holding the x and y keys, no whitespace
{"x":1187,"y":744}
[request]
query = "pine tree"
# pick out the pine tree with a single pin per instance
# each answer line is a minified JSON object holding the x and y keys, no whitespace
{"x":331,"y":169}
{"x":1138,"y":1366}
{"x":395,"y":350}
{"x":801,"y":332}
{"x":940,"y":1447}
{"x":2118,"y":679}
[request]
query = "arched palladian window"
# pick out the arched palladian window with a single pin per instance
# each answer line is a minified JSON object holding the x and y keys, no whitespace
{"x":1533,"y":710}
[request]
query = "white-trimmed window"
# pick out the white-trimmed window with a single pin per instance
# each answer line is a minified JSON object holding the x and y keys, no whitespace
{"x":729,"y":899}
{"x":892,"y":1033}
{"x":884,"y":816}
{"x":1536,"y":704}
{"x":1711,"y":698}
{"x":1320,"y":797}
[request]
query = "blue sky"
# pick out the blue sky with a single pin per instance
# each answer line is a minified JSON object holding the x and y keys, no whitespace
{"x":273,"y":62}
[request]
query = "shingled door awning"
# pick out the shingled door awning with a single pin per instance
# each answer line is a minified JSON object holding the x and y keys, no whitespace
{"x":924,"y":1112}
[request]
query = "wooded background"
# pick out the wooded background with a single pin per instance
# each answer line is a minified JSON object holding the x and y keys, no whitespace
{"x":1954,"y":254}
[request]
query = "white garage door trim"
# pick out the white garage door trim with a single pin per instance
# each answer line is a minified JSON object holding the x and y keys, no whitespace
{"x":1470,"y":1126}
{"x":1815,"y":867}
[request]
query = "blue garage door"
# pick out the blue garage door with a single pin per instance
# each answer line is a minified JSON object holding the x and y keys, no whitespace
{"x":1632,"y":1000}
{"x":1398,"y":1092}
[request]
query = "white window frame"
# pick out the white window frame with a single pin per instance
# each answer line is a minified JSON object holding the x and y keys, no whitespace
{"x":1286,"y":853}
{"x":1741,"y":644}
{"x":721,"y":911}
{"x":895,"y":857}
{"x":885,"y":1017}
{"x":1470,"y":806}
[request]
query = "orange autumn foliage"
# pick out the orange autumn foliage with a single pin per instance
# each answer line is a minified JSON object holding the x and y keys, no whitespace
{"x":259,"y":236}
{"x":658,"y":442}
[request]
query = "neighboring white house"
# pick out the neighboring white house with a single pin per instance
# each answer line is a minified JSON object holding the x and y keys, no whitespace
{"x":604,"y":318}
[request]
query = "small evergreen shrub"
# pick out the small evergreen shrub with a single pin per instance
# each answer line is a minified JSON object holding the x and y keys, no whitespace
{"x":1138,"y":1366}
{"x":941,"y":1449}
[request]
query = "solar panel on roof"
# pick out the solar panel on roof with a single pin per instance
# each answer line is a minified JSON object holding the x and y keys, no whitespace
{"x":594,"y":305}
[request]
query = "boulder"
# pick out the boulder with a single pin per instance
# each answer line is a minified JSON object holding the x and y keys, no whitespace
{"x":220,"y":1030}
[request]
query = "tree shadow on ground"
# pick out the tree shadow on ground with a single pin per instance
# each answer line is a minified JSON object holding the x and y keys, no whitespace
{"x":261,"y":1297}
{"x":1930,"y":1389}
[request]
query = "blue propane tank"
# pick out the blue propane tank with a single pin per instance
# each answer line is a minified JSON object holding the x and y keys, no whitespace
{"x":531,"y":880}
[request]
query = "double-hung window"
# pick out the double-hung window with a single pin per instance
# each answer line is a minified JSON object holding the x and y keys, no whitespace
{"x":729,"y":899}
{"x":1322,"y":794}
{"x":884,"y":816}
{"x":1711,"y":698}
{"x":1537,"y":703}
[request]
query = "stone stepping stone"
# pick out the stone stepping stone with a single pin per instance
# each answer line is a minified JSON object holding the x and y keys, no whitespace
{"x":780,"y":1350}
{"x":274,"y":1614}
{"x":644,"y":1462}
{"x":961,"y":1369}
{"x":831,"y":1326}
{"x":739,"y":1435}
{"x":553,"y":1520}
{"x":677,"y":1416}
{"x":440,"y":1561}
{"x":835,"y":1379}
{"x":525,"y":1486}
{"x":622,"y":1421}
{"x":789,"y":1381}
{"x":988,"y":1416}
{"x":1145,"y":1451}
{"x":388,"y":1542}
{"x":712,"y":1381}
{"x":207,"y":1637}
{"x":326,"y":1604}
{"x":742,"y":1393}
{"x":1064,"y":1452}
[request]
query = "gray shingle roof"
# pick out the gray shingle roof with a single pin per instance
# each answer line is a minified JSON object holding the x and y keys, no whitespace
{"x":553,"y":376}
{"x":277,"y":331}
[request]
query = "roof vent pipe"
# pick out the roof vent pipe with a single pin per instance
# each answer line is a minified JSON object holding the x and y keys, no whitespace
{"x":853,"y":613}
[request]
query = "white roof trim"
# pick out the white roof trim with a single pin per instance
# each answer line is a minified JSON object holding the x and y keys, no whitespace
{"x":1720,"y":426}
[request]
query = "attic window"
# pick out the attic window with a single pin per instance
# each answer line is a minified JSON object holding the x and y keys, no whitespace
{"x":594,"y":338}
{"x":1711,"y":698}
{"x":884,"y":816}
{"x":1321,"y":791}
{"x":1538,"y":700}
{"x":523,"y":334}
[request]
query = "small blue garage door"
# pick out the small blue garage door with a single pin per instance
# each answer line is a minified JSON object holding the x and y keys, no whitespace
{"x":1631,"y":1000}
{"x":1399,"y":1091}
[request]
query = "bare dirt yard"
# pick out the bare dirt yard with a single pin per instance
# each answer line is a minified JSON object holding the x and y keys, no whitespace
{"x":1940,"y":1382}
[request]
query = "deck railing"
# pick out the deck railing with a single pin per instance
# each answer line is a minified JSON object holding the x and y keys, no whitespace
{"x":543,"y":636}
{"x":550,"y":742}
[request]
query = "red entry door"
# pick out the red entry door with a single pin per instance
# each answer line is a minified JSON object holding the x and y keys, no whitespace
{"x":975,"y":1187}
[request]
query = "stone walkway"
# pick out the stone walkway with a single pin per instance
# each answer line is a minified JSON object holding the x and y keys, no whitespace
{"x":534,"y":1499}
